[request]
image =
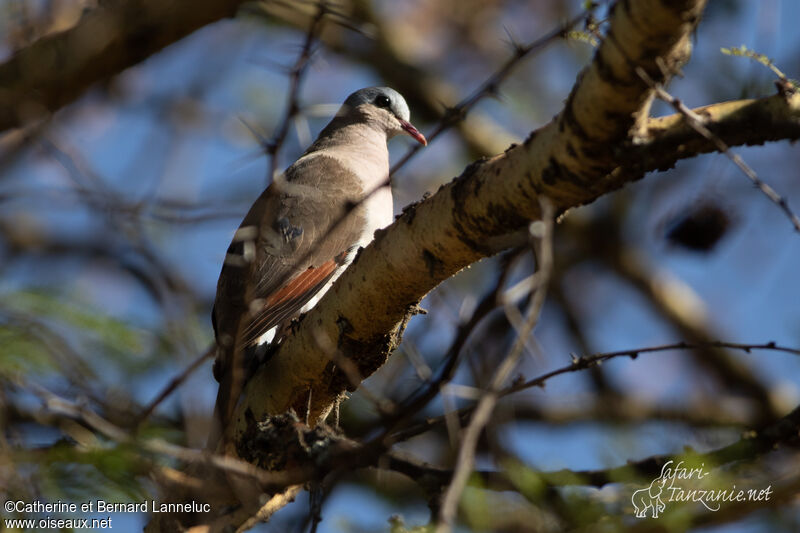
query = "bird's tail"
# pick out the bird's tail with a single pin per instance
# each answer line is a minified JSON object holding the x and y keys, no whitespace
{"x":230,"y":370}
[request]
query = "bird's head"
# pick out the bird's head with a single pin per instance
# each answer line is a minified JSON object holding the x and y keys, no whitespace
{"x":383,"y":108}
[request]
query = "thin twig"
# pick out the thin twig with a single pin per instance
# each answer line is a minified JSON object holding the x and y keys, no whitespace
{"x":296,"y":75}
{"x":580,"y":363}
{"x":590,"y":361}
{"x":430,"y":389}
{"x":173,"y":385}
{"x":480,"y":417}
{"x":277,"y":502}
{"x":698,"y":124}
{"x":491,"y":85}
{"x":62,"y":407}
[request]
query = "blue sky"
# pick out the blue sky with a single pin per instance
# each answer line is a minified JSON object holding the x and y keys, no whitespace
{"x":747,"y":287}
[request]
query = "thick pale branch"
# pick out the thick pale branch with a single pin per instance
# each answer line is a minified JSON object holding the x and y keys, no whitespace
{"x":58,"y":68}
{"x":568,"y":160}
{"x":425,"y":90}
{"x":666,"y":140}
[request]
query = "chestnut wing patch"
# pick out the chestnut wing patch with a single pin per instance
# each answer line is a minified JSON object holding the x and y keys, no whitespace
{"x":305,"y":226}
{"x":289,"y":299}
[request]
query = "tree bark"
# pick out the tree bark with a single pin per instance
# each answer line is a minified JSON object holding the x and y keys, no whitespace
{"x":601,"y":140}
{"x":57,"y":69}
{"x":583,"y":153}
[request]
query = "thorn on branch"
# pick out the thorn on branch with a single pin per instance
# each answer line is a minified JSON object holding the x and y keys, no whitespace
{"x":517,"y":47}
{"x":696,"y":122}
{"x":454,"y":114}
{"x":785,"y":87}
{"x":267,"y":145}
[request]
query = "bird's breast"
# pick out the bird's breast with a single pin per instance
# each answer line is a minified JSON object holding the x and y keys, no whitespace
{"x":378,"y":213}
{"x":370,"y":168}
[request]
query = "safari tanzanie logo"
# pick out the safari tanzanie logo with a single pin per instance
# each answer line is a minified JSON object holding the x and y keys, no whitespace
{"x":679,"y":483}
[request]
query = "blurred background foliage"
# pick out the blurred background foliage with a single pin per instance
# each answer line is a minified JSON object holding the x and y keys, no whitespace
{"x":115,"y":215}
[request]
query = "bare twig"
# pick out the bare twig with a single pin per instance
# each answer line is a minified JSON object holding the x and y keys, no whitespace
{"x":579,"y":363}
{"x":62,"y":407}
{"x":277,"y":502}
{"x":296,"y":75}
{"x":98,"y":197}
{"x":480,"y":417}
{"x":176,"y":382}
{"x":491,"y":85}
{"x":430,"y":389}
{"x":690,"y":323}
{"x":742,"y":51}
{"x":698,"y":124}
{"x":589,"y":361}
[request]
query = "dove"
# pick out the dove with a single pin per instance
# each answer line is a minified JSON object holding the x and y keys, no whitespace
{"x":303,"y":231}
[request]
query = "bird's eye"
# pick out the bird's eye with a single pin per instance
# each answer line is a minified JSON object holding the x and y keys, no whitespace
{"x":382,"y":101}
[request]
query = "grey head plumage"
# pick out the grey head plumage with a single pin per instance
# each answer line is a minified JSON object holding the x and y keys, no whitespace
{"x":383,"y":97}
{"x":382,"y":107}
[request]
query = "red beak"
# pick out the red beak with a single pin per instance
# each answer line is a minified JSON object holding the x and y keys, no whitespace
{"x":413,"y":132}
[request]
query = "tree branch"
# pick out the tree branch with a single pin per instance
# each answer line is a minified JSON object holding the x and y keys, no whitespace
{"x":568,"y":160}
{"x":58,"y":68}
{"x":666,"y":140}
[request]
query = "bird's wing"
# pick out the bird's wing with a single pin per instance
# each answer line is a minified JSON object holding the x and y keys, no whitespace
{"x":294,"y":239}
